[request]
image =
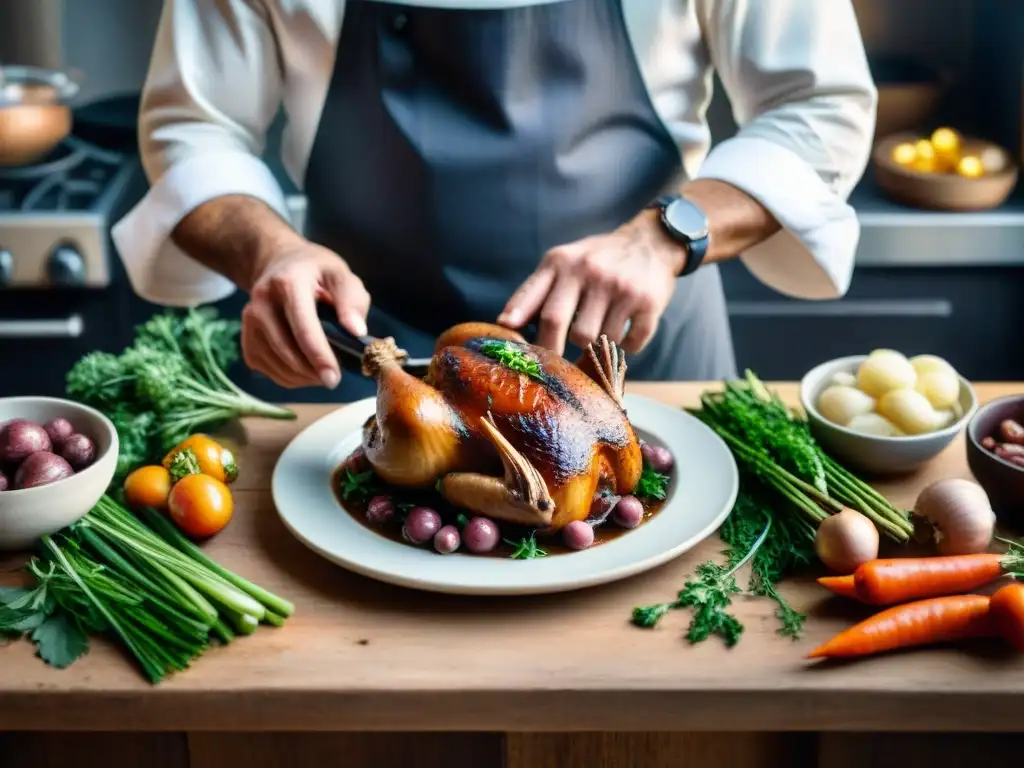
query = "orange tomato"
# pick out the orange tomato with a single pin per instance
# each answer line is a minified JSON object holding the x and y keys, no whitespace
{"x":200,"y":505}
{"x":214,"y":459}
{"x":148,"y":487}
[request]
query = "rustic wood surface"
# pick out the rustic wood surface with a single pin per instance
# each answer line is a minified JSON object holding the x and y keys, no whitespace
{"x":364,"y":656}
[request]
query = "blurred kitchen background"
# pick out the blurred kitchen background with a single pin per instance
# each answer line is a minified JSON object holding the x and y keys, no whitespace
{"x":948,"y":283}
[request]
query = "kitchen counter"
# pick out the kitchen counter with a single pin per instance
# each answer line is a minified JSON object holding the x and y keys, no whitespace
{"x":363,"y":656}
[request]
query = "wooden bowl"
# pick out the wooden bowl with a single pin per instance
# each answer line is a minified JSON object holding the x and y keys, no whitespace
{"x":1002,"y":481}
{"x":942,"y":191}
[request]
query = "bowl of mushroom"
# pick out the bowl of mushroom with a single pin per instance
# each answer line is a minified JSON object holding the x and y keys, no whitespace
{"x":886,"y":413}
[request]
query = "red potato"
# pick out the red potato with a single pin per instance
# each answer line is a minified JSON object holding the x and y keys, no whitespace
{"x":41,"y":468}
{"x":58,"y":430}
{"x":78,"y":450}
{"x":20,"y":438}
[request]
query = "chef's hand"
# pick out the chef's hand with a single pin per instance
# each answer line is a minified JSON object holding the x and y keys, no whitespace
{"x":281,"y":334}
{"x":602,"y":281}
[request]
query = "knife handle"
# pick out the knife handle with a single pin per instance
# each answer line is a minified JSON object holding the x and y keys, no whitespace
{"x":347,"y":346}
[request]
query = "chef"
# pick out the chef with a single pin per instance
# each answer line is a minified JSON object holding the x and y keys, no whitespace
{"x":524,"y":161}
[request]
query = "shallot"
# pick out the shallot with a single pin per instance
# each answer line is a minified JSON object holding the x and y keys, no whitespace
{"x":480,"y":535}
{"x":78,"y":450}
{"x":961,"y":514}
{"x":380,"y":510}
{"x":658,"y":457}
{"x":845,"y":540}
{"x":421,"y":524}
{"x":578,"y":535}
{"x":447,"y":540}
{"x":628,"y":512}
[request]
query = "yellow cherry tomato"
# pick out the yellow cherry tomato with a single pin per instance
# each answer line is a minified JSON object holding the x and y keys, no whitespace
{"x":200,"y":505}
{"x":947,"y":143}
{"x":148,"y":487}
{"x":925,"y":160}
{"x":904,"y":154}
{"x":214,"y":459}
{"x":970,"y":167}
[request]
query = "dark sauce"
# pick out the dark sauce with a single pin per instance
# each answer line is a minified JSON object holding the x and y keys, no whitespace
{"x":405,"y":499}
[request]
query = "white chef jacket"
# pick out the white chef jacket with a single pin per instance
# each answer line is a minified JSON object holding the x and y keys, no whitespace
{"x":795,"y":72}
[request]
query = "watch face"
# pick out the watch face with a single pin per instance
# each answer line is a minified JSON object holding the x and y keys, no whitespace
{"x":687,"y":219}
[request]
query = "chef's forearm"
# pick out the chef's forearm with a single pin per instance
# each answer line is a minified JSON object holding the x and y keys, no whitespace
{"x":235,"y":235}
{"x":736,"y":220}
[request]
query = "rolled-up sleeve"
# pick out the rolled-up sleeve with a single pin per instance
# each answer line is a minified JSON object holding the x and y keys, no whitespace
{"x":802,"y":95}
{"x":213,"y":88}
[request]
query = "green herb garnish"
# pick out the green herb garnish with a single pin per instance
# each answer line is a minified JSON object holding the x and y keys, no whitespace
{"x":356,"y":486}
{"x":169,"y":384}
{"x":525,"y":549}
{"x":183,"y":464}
{"x":652,"y":485}
{"x":512,"y":357}
{"x":788,"y":486}
{"x":461,"y":520}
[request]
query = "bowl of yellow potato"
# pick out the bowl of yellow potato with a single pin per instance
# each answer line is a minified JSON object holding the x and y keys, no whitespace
{"x":945,"y":171}
{"x":884,"y":412}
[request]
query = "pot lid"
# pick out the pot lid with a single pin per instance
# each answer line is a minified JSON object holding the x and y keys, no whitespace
{"x":35,"y":85}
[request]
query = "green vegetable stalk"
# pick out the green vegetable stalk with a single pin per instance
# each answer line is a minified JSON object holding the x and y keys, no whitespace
{"x":148,"y":587}
{"x":788,"y":485}
{"x":169,"y":384}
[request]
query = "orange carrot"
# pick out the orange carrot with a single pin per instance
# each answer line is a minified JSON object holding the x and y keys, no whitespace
{"x":888,"y":582}
{"x":938,"y":620}
{"x":1007,"y":609}
{"x":840,"y":585}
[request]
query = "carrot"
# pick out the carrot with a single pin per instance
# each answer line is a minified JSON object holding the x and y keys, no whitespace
{"x":938,"y":620}
{"x":1007,"y":609}
{"x":840,"y":585}
{"x":899,"y":580}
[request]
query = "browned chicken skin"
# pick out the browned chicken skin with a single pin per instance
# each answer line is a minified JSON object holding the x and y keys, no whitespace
{"x":525,"y":447}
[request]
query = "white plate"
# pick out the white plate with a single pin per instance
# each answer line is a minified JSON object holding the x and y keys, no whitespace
{"x":703,"y":490}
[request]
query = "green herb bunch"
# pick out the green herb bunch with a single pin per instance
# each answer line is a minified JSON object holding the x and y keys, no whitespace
{"x":169,"y":384}
{"x":788,"y":485}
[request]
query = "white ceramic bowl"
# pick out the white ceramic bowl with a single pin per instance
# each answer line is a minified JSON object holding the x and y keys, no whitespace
{"x":28,"y":514}
{"x":880,"y":455}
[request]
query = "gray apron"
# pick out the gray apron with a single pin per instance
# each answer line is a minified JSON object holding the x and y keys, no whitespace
{"x":457,"y":146}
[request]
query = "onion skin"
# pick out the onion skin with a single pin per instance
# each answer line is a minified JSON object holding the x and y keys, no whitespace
{"x":960,"y":511}
{"x":41,"y":468}
{"x":846,"y":540}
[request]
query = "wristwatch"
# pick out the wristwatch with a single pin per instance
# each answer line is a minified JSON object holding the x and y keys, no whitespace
{"x":687,"y":225}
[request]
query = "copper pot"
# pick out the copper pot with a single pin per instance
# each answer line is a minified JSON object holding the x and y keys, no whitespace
{"x":34,"y":112}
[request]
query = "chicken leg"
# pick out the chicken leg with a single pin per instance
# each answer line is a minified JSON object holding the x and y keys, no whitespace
{"x":520,"y":497}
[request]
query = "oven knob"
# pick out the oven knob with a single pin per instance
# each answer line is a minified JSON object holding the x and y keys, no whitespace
{"x":6,"y":267}
{"x":66,"y":267}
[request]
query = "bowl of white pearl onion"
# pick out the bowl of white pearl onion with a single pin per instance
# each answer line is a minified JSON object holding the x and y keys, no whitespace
{"x":886,"y":413}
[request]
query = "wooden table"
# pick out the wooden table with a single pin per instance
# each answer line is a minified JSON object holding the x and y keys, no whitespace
{"x":560,"y":681}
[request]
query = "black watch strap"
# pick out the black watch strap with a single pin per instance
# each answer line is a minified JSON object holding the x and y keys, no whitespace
{"x":696,"y":249}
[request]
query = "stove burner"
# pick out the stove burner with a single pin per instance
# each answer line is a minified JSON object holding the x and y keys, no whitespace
{"x":71,"y":179}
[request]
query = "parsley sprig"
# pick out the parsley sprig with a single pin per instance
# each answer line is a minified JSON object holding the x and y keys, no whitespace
{"x":652,"y":485}
{"x":357,"y":486}
{"x":512,"y":357}
{"x":709,"y":595}
{"x":526,"y":549}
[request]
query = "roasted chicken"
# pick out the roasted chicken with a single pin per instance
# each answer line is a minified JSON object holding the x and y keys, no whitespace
{"x":506,"y":429}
